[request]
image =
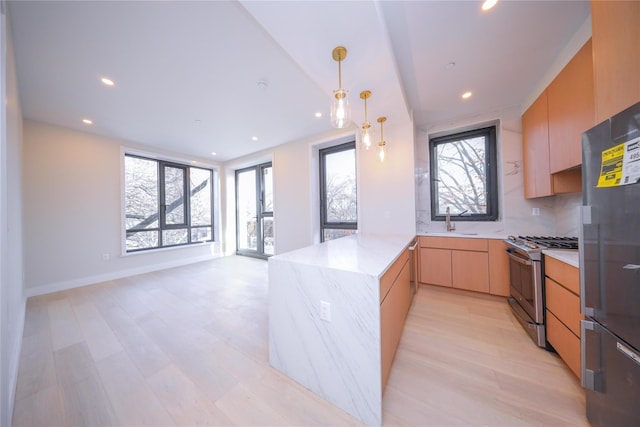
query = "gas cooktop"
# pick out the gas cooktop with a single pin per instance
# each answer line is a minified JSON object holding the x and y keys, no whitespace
{"x":544,"y":242}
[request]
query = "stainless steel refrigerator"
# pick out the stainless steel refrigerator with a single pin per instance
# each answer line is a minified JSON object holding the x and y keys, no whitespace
{"x":610,"y":274}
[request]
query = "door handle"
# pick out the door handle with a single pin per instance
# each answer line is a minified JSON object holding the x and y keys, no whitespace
{"x":591,"y":379}
{"x":632,"y":267}
{"x":512,"y":255}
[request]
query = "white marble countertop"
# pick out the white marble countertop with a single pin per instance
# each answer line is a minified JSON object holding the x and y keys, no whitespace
{"x":569,"y":256}
{"x":369,"y":254}
{"x":499,"y":236}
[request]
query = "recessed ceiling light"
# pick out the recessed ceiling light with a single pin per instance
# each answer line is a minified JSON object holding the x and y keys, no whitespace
{"x":254,"y":138}
{"x":488,"y":4}
{"x":318,"y":114}
{"x":466,"y":95}
{"x":87,"y":121}
{"x":107,"y":82}
{"x":213,"y":153}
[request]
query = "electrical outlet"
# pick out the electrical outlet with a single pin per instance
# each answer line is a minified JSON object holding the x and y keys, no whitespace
{"x":535,"y":211}
{"x":325,"y":311}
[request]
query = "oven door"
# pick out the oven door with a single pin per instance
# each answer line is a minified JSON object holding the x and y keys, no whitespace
{"x":525,"y":283}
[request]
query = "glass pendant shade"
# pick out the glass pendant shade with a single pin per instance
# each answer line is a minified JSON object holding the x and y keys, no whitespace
{"x":382,"y":151}
{"x":340,"y":110}
{"x":366,"y":133}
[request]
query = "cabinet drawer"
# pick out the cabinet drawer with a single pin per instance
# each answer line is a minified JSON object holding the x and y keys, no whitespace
{"x":565,"y":342}
{"x":392,"y":272}
{"x":461,"y":243}
{"x":563,"y":273}
{"x":564,"y":305}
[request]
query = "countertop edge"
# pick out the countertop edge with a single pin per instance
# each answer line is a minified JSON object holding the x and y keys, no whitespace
{"x":568,"y":256}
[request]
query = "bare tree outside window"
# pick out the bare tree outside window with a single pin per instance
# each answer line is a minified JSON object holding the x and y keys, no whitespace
{"x":339,"y":207}
{"x":463,"y":172}
{"x":185,"y":215}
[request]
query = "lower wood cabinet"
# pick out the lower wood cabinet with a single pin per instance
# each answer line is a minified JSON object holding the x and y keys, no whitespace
{"x":564,"y":342}
{"x":562,"y":301}
{"x":435,"y":266}
{"x":498,"y":268}
{"x":473,"y":264}
{"x":394,"y":306}
{"x":470,"y":270}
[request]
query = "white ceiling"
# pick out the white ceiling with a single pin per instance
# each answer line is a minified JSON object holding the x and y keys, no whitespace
{"x":187,"y":73}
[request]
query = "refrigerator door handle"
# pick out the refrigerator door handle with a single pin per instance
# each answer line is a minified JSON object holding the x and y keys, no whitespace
{"x":587,"y":217}
{"x":632,"y":267}
{"x":591,"y":379}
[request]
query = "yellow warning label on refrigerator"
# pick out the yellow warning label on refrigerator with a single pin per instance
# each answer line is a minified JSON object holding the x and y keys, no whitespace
{"x":620,"y":164}
{"x":611,"y":169}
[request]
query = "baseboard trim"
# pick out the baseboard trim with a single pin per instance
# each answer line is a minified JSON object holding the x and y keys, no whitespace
{"x":92,"y":280}
{"x":14,"y":363}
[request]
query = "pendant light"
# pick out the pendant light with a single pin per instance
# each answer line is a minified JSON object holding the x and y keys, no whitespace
{"x":340,"y":111}
{"x":366,"y":131}
{"x":381,"y":145}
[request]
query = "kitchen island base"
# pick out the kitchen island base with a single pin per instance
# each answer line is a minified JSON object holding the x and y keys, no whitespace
{"x":325,"y":318}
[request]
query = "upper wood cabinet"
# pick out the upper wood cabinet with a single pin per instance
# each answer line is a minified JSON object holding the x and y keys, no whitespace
{"x":571,"y":110}
{"x":616,"y":62}
{"x":535,"y":149}
{"x":552,"y":130}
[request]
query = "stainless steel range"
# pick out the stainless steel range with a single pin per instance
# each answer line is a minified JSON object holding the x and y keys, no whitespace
{"x":526,"y":279}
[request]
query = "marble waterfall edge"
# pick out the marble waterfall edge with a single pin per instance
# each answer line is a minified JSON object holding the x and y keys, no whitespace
{"x":339,"y":359}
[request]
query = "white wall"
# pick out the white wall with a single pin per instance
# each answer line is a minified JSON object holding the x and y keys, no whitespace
{"x":72,"y":204}
{"x":386,"y":198}
{"x":12,"y":301}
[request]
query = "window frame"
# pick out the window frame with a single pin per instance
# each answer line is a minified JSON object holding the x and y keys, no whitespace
{"x":261,"y":213}
{"x":161,"y":164}
{"x":324,"y":223}
{"x":491,"y":173}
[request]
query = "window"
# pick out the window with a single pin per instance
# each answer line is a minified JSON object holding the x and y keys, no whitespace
{"x":463,"y":176}
{"x":338,"y":196}
{"x":166,"y":204}
{"x":254,"y":211}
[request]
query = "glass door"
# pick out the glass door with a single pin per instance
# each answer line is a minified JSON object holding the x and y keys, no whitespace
{"x":254,"y":211}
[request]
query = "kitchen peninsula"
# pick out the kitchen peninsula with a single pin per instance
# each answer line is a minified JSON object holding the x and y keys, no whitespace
{"x":336,"y":313}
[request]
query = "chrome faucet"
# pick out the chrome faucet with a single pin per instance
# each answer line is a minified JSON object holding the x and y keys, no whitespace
{"x":450,"y":226}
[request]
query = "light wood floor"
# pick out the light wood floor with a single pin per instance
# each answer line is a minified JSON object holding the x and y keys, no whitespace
{"x":189,"y":346}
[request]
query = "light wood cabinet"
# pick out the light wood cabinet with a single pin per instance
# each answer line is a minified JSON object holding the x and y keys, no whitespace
{"x":535,"y":149}
{"x":571,"y":110}
{"x":435,"y":266}
{"x":552,"y":130}
{"x":475,"y":264}
{"x":562,"y":301}
{"x":394,"y":306}
{"x":498,"y":268}
{"x":616,"y":36}
{"x":564,"y":342}
{"x":470,"y":270}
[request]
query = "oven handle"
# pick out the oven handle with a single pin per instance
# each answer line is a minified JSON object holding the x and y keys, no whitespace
{"x":517,"y":258}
